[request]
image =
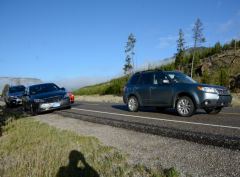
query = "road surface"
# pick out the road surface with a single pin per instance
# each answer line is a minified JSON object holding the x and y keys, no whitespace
{"x":220,"y":130}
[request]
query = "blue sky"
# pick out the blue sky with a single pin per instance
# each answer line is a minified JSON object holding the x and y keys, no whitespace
{"x":66,"y":39}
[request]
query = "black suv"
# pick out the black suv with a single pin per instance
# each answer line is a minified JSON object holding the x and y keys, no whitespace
{"x":13,"y":95}
{"x":44,"y":97}
{"x":172,"y":89}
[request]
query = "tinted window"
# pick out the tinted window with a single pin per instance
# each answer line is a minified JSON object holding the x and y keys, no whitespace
{"x":147,"y":78}
{"x":180,"y":78}
{"x":42,"y":88}
{"x":16,"y":89}
{"x":134,"y":79}
{"x":159,"y":77}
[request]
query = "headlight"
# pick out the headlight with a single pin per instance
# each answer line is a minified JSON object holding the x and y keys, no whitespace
{"x":38,"y":100}
{"x":207,"y":89}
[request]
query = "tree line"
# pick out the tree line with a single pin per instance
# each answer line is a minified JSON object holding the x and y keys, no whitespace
{"x":186,"y":59}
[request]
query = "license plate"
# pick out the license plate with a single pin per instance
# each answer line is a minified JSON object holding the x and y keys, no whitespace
{"x":55,"y":105}
{"x":50,"y":105}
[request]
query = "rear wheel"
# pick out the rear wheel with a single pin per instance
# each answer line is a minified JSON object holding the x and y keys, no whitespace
{"x":213,"y":110}
{"x":185,"y":106}
{"x":133,"y":104}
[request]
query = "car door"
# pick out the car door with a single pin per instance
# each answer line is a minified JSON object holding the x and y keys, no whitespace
{"x":162,"y":90}
{"x":26,"y":99}
{"x":143,"y":88}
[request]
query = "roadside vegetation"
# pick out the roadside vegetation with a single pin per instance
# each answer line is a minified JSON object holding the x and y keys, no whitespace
{"x":218,"y":64}
{"x":30,"y":148}
{"x":213,"y":65}
{"x":113,"y":87}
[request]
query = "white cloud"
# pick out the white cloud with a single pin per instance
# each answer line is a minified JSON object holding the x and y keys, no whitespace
{"x":230,"y":24}
{"x":226,"y":26}
{"x":167,"y":41}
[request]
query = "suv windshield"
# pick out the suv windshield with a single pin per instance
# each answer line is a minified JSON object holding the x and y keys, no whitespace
{"x":16,"y":89}
{"x":36,"y":89}
{"x":180,"y":78}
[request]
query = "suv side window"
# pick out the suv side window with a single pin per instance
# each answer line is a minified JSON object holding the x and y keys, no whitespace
{"x":146,"y":79}
{"x":134,"y":79}
{"x":159,"y":77}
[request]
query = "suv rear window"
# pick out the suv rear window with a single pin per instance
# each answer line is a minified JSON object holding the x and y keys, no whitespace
{"x":146,"y":78}
{"x":134,"y":79}
{"x":36,"y":89}
{"x":16,"y":89}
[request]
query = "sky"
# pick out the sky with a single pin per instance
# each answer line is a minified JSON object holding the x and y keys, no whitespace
{"x":70,"y":40}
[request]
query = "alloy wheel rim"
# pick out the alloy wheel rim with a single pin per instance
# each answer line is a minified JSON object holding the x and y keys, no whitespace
{"x":132,"y":104}
{"x":184,"y":106}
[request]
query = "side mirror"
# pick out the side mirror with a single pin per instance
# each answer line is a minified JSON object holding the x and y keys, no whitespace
{"x":63,"y":89}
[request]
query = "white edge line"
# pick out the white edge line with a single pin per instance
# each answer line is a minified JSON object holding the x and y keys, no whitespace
{"x":158,"y":119}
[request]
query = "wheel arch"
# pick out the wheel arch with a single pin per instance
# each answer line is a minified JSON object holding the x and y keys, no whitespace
{"x":135,"y":95}
{"x":181,"y":94}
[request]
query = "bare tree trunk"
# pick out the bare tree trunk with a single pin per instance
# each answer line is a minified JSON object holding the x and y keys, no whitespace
{"x":192,"y":64}
{"x":235,"y":46}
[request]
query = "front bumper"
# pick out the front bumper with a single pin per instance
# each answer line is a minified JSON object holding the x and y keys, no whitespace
{"x":214,"y":100}
{"x":15,"y":101}
{"x":43,"y":107}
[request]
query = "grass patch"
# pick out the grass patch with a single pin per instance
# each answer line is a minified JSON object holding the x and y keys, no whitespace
{"x":34,"y":149}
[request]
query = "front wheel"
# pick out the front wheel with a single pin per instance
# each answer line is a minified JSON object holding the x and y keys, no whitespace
{"x":185,"y":106}
{"x":133,"y":104}
{"x":213,"y":110}
{"x":33,"y":110}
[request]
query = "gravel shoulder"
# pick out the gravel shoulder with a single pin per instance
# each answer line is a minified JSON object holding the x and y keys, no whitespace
{"x":189,"y":158}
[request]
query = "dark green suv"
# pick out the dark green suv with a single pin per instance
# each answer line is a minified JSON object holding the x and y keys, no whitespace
{"x":172,"y":89}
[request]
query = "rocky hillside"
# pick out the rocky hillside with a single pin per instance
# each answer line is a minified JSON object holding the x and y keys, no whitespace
{"x":222,"y":68}
{"x":17,"y":81}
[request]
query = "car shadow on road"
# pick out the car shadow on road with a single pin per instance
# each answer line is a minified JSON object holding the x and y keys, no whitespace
{"x":166,"y":111}
{"x":72,"y":169}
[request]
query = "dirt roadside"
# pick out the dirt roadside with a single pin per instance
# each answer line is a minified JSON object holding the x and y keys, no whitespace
{"x":189,"y":158}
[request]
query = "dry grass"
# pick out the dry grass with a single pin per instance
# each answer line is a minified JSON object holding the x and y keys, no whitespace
{"x":34,"y":149}
{"x":236,"y":100}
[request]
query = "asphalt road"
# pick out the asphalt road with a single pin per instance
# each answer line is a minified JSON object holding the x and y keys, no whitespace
{"x":220,"y":130}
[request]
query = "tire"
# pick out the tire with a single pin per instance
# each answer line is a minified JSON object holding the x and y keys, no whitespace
{"x":185,"y":106}
{"x":68,"y":107}
{"x":25,"y":108}
{"x":133,"y":104}
{"x":213,"y":110}
{"x":33,"y":110}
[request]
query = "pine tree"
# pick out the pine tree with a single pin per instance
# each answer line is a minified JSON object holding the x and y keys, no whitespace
{"x":180,"y":50}
{"x":129,"y":51}
{"x":198,"y":39}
